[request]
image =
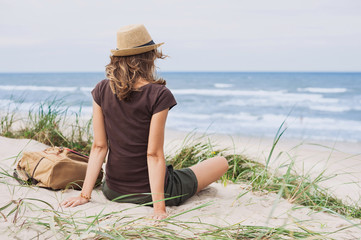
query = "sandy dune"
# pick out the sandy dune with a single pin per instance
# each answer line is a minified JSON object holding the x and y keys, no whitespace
{"x":229,"y":204}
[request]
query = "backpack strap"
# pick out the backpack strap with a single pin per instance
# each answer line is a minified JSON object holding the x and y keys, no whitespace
{"x":32,"y":179}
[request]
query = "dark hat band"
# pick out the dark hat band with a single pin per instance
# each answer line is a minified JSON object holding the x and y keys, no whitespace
{"x":147,"y":44}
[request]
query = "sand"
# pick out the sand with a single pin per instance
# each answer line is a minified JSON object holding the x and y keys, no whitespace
{"x":229,"y":204}
{"x":339,"y":160}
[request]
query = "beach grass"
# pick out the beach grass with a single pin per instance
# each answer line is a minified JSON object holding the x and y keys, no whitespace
{"x":298,"y":189}
{"x":52,"y":125}
{"x":121,"y":225}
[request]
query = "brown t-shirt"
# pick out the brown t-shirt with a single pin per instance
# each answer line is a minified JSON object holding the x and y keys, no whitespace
{"x":127,"y":128}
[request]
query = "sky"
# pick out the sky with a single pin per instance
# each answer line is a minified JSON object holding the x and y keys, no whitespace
{"x":199,"y":35}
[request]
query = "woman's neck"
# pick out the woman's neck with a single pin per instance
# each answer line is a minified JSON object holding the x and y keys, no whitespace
{"x":140,"y":83}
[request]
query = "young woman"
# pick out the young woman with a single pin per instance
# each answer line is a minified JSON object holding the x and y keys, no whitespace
{"x":130,"y":109}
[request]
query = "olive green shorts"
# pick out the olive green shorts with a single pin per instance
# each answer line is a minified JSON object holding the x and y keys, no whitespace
{"x":181,"y":185}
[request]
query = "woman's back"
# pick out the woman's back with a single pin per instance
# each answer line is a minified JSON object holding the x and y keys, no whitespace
{"x":129,"y":121}
{"x":127,"y":128}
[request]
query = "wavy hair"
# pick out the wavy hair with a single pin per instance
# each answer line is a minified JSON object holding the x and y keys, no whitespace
{"x":124,"y":71}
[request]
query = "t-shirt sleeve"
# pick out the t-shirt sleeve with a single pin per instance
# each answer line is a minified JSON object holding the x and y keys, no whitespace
{"x":97,"y":93}
{"x":164,"y":100}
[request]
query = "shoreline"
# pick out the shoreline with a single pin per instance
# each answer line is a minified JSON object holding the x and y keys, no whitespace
{"x":350,"y":147}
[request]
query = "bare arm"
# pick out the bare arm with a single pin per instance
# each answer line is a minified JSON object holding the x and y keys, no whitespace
{"x":156,"y":162}
{"x":97,"y":155}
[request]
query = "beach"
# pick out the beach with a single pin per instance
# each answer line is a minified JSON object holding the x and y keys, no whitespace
{"x":220,"y":204}
{"x":292,"y":141}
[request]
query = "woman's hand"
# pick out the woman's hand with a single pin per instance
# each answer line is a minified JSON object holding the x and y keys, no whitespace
{"x":74,"y":201}
{"x":159,"y":214}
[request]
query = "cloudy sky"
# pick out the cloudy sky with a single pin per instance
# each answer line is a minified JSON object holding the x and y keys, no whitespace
{"x":199,"y":35}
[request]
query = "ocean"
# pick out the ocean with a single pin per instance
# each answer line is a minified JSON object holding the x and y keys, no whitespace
{"x":318,"y":106}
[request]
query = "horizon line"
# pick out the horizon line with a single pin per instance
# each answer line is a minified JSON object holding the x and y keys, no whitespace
{"x":197,"y":71}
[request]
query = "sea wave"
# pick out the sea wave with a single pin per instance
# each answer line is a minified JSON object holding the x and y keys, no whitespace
{"x":37,"y":88}
{"x":315,"y":123}
{"x":223,"y":85}
{"x":86,"y":89}
{"x":15,"y":106}
{"x":331,"y":108}
{"x":220,"y":93}
{"x":284,"y":100}
{"x":244,"y":116}
{"x":277,"y":96}
{"x":325,"y":105}
{"x":322,"y":90}
{"x":43,"y":88}
{"x":267,"y":121}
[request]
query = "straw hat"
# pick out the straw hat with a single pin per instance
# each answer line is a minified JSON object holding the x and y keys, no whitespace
{"x":132,"y":40}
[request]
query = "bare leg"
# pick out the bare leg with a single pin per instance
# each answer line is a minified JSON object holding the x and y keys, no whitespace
{"x":209,"y":171}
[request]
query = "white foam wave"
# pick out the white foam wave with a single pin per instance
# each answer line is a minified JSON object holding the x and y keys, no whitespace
{"x":280,"y":96}
{"x":217,"y":92}
{"x":11,"y":105}
{"x":296,"y":98}
{"x":283,"y":100}
{"x":43,"y":88}
{"x":86,"y":89}
{"x":330,"y":108}
{"x":266,"y":121}
{"x":5,"y":102}
{"x":315,"y":123}
{"x":326,"y":104}
{"x":322,"y":90}
{"x":223,"y":85}
{"x":192,"y":116}
{"x":37,"y":88}
{"x":244,"y":116}
{"x":357,"y":108}
{"x":14,"y":106}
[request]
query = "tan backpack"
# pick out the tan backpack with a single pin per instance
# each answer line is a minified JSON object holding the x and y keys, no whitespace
{"x":55,"y":168}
